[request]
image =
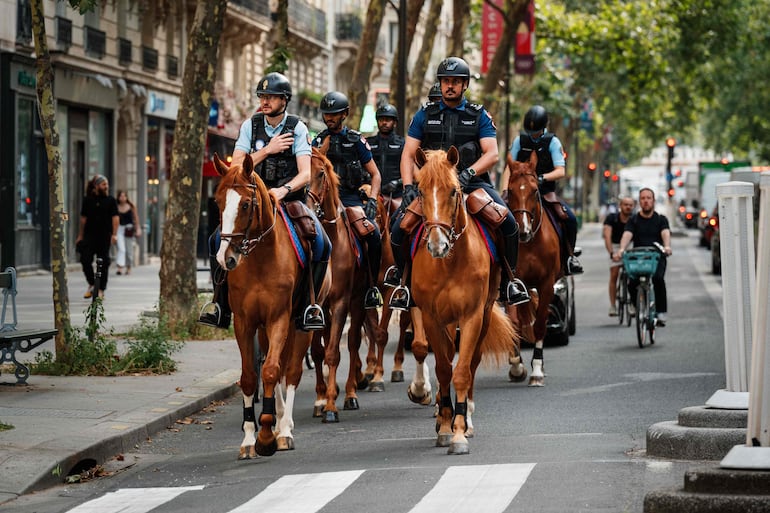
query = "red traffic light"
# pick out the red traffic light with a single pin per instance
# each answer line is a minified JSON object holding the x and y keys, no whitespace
{"x":678,"y":173}
{"x":670,"y":142}
{"x":671,"y":193}
{"x":592,"y":166}
{"x":607,"y":173}
{"x":615,"y":178}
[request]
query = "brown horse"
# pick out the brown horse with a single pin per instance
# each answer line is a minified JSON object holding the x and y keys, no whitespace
{"x":538,"y":266}
{"x":263,"y":276}
{"x":454,"y":284}
{"x":349,"y":284}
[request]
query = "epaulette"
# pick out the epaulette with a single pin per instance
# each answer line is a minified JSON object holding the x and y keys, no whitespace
{"x":354,"y":135}
{"x":474,"y":106}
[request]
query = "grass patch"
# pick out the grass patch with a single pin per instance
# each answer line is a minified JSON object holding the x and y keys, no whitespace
{"x":4,"y":426}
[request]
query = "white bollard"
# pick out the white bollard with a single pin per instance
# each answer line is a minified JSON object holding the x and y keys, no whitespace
{"x":755,"y":455}
{"x":736,"y":244}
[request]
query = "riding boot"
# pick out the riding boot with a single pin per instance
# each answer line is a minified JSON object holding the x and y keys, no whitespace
{"x":313,"y":315}
{"x":512,"y":292}
{"x":373,"y":297}
{"x":573,"y":264}
{"x":394,"y":273}
{"x":217,"y":313}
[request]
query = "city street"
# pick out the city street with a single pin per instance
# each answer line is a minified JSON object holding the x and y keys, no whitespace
{"x":576,"y":445}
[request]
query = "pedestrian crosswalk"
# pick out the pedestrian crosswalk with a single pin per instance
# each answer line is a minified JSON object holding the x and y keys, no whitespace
{"x":487,"y":488}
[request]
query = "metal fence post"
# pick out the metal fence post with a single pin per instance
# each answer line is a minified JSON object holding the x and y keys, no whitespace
{"x":736,"y":238}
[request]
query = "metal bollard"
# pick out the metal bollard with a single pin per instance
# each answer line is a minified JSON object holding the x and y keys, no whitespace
{"x":736,"y":238}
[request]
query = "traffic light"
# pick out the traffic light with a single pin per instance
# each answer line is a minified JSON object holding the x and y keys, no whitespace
{"x":607,"y":174}
{"x":670,"y":143}
{"x":615,"y":177}
{"x":591,"y":167}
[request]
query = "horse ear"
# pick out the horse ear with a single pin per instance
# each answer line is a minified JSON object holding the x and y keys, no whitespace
{"x":419,"y":157}
{"x":220,"y":166}
{"x":247,"y":165}
{"x":453,"y":156}
{"x":324,"y":148}
{"x":533,"y":160}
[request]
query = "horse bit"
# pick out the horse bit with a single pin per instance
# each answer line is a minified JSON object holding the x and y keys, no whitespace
{"x":452,"y":235}
{"x":247,"y":244}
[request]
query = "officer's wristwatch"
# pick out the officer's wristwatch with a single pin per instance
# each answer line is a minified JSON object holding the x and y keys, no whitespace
{"x":471,"y":171}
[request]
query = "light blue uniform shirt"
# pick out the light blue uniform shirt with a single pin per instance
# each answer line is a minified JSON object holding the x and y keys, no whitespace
{"x":555,"y":149}
{"x":301,"y":144}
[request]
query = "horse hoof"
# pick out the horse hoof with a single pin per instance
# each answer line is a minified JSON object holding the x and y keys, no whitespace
{"x":423,"y":400}
{"x":397,"y":376}
{"x":459,"y":448}
{"x":444,"y":440}
{"x":351,"y":403}
{"x":376,"y":386}
{"x":521,"y":377}
{"x":285,"y":443}
{"x":247,"y":453}
{"x":537,"y":381}
{"x":331,"y":417}
{"x":267,"y":449}
{"x":318,"y":412}
{"x":363,"y":384}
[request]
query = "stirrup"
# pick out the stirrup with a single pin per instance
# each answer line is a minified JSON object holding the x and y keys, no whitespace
{"x":400,"y":299}
{"x":392,"y":278}
{"x":214,"y":317}
{"x":313,"y":318}
{"x":373,"y":299}
{"x":574,"y":266}
{"x":515,"y":293}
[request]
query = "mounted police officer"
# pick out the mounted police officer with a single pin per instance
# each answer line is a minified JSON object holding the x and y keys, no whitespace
{"x":386,"y":147}
{"x":434,"y":95}
{"x":351,"y":156}
{"x":279,"y":146}
{"x":550,"y":167}
{"x":454,"y":121}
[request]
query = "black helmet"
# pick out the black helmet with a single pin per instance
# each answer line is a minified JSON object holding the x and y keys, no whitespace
{"x":275,"y":83}
{"x":386,"y":111}
{"x":334,"y":102}
{"x":453,"y":67}
{"x":535,"y":120}
{"x":435,"y":92}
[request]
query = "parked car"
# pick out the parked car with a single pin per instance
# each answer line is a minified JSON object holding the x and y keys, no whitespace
{"x":709,"y":228}
{"x":561,"y":315}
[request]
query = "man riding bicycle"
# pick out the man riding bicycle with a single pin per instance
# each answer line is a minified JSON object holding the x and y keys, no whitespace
{"x":645,"y":228}
{"x":612,"y":231}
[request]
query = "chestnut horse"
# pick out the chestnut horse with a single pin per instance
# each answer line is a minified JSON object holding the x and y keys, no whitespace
{"x":455,"y":285}
{"x":263,"y":276}
{"x":349,"y":284}
{"x":538,"y":267}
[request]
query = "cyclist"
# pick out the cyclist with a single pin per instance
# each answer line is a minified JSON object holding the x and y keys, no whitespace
{"x":612,"y":232}
{"x":645,"y":228}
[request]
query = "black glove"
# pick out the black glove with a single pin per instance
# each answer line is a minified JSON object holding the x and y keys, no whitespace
{"x":540,"y":180}
{"x":410,"y":194}
{"x":465,"y":177}
{"x":391,"y":187}
{"x":371,"y":209}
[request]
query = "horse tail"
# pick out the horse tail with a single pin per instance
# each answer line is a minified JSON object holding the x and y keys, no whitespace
{"x":501,"y":337}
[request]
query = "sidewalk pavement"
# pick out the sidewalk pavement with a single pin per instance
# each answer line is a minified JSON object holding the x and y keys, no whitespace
{"x":60,"y":421}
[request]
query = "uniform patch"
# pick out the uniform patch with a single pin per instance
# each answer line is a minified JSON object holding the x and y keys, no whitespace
{"x":259,"y":144}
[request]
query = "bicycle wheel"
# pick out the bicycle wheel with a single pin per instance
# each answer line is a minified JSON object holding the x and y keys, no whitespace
{"x":651,"y":314}
{"x":620,"y":304}
{"x":642,"y":315}
{"x":626,"y":299}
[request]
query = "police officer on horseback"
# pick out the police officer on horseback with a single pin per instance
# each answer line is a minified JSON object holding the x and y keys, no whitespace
{"x":550,"y":167}
{"x":351,"y":156}
{"x":279,"y":146}
{"x":454,"y":121}
{"x":386,"y":147}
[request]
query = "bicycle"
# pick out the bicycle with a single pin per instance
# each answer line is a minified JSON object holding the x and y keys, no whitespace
{"x":641,"y":263}
{"x":621,"y":297}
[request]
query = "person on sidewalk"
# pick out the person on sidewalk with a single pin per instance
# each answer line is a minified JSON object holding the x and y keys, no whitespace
{"x":550,"y":167}
{"x":128,"y":229}
{"x":612,"y":232}
{"x":98,"y":231}
{"x":279,"y":146}
{"x":454,"y":121}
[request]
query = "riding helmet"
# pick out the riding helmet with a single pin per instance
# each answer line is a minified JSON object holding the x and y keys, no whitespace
{"x":334,"y":102}
{"x":453,"y":67}
{"x":275,"y":83}
{"x":386,"y":111}
{"x":535,"y":120}
{"x":434,"y":94}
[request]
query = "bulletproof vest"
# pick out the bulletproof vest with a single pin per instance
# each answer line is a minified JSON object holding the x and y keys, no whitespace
{"x":343,"y":155}
{"x":450,"y":127}
{"x":279,"y":169}
{"x":544,"y":160}
{"x":387,"y":155}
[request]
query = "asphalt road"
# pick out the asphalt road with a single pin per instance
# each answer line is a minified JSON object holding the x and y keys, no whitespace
{"x":575,"y":445}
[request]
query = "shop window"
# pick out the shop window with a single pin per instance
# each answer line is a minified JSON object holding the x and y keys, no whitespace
{"x":26,"y":193}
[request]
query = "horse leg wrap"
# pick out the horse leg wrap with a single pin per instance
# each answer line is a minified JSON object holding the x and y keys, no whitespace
{"x":461,"y":408}
{"x":248,"y":414}
{"x":446,"y":402}
{"x":537,"y":353}
{"x":268,"y":407}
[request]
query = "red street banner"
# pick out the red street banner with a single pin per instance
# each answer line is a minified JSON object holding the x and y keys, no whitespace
{"x":492,"y":24}
{"x":525,"y":44}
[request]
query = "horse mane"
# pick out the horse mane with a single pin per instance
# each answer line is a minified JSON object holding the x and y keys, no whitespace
{"x":320,"y":153}
{"x":437,"y":170}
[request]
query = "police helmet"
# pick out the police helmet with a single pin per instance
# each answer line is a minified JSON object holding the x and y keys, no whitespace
{"x":275,"y":83}
{"x":435,"y":92}
{"x":386,"y":111}
{"x":453,"y":67}
{"x":535,"y":120}
{"x":334,"y":102}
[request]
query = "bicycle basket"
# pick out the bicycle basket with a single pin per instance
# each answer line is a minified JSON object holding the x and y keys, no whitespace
{"x":641,"y":261}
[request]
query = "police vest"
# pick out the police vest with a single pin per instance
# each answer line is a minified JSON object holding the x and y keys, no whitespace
{"x":450,"y":127}
{"x":343,"y":155}
{"x":278,"y":169}
{"x":544,"y":160}
{"x":387,"y":155}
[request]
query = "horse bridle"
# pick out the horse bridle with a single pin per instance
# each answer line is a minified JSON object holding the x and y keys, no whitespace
{"x":449,"y":229}
{"x":319,"y":201}
{"x":532,"y":215}
{"x":247,"y":243}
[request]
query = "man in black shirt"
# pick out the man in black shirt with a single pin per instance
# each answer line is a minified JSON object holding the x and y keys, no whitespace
{"x":98,"y":232}
{"x":614,"y":225}
{"x":644,"y":228}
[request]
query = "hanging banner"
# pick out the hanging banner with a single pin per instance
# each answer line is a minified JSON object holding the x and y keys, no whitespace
{"x":524,"y":63}
{"x":492,"y":24}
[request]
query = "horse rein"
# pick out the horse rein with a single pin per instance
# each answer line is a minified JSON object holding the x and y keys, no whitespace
{"x":318,"y":200}
{"x":247,"y":244}
{"x":452,"y":234}
{"x":532,"y":215}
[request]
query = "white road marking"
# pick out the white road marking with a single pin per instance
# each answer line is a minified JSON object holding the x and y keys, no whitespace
{"x":132,"y":500}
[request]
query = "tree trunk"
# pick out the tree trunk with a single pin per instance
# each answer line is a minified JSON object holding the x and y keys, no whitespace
{"x":359,"y":83}
{"x":178,"y":287}
{"x":279,"y":39}
{"x":416,"y":91}
{"x":413,"y":9}
{"x":460,"y":10}
{"x":57,"y":213}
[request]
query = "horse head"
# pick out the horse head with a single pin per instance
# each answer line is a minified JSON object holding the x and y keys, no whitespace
{"x":441,"y":198}
{"x":245,"y":208}
{"x":323,"y":186}
{"x":524,"y":196}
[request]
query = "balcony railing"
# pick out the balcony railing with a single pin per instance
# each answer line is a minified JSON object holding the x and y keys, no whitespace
{"x":261,"y":7}
{"x":172,"y":66}
{"x":95,"y":42}
{"x":24,"y":22}
{"x":63,"y":33}
{"x":124,"y":51}
{"x":149,"y":58}
{"x":307,"y":19}
{"x":348,"y":27}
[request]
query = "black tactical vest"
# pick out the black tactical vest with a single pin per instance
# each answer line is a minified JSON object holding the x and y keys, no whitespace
{"x":387,"y":155}
{"x":343,"y":155}
{"x":450,"y":127}
{"x":279,"y":169}
{"x":544,"y":160}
